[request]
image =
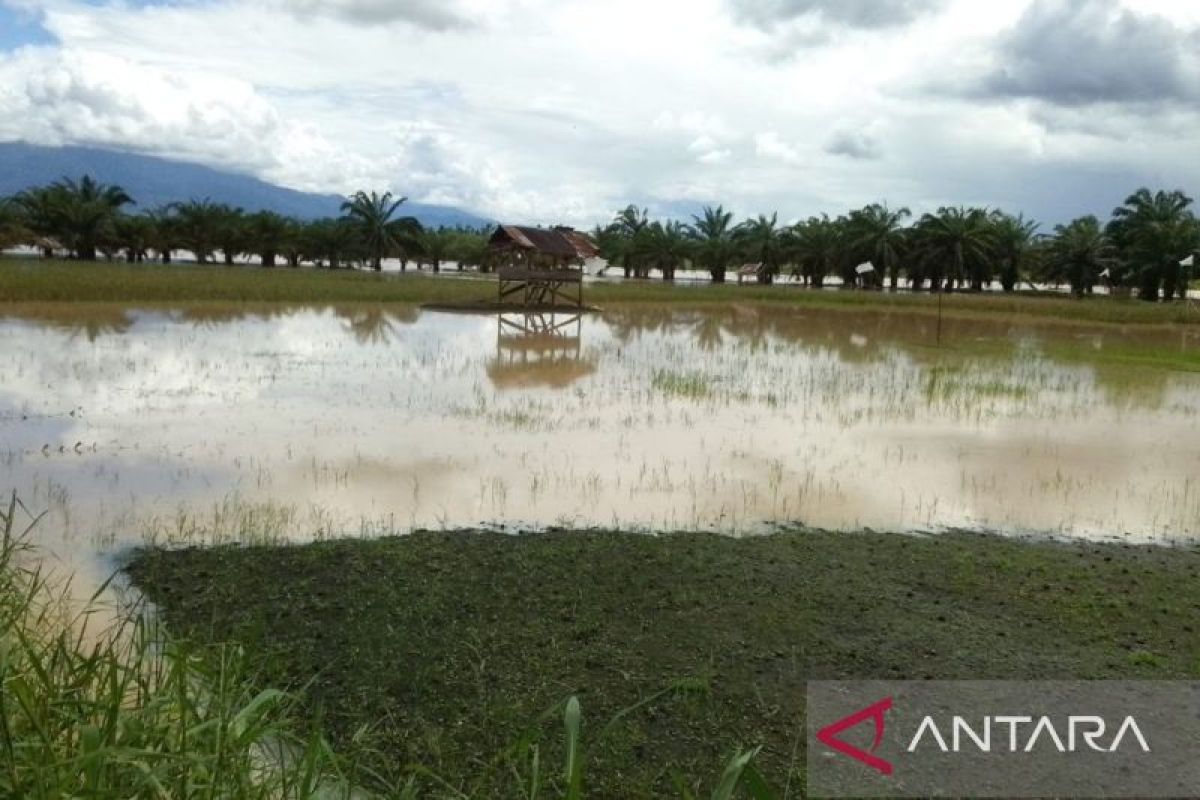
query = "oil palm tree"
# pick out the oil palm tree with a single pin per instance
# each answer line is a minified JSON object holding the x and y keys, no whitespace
{"x":381,"y":233}
{"x":12,"y":225}
{"x":761,"y":239}
{"x":39,"y":208}
{"x":231,"y":235}
{"x":955,"y":246}
{"x":162,"y":233}
{"x":626,"y":227}
{"x":662,"y":246}
{"x":1078,"y":254}
{"x":1012,"y":243}
{"x":135,"y":235}
{"x":80,"y":213}
{"x":433,"y":247}
{"x":1153,"y":232}
{"x":817,"y":249}
{"x":880,"y":235}
{"x":334,"y":241}
{"x":712,"y":233}
{"x":268,"y":235}
{"x":200,"y":225}
{"x":294,"y":247}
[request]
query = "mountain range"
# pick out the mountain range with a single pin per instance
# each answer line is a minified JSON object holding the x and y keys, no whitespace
{"x":155,"y":181}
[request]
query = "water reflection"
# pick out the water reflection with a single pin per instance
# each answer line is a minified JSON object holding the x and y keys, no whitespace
{"x":227,"y":423}
{"x":539,"y":350}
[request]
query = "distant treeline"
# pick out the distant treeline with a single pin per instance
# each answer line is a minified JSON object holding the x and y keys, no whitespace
{"x":87,"y":219}
{"x":1141,"y":247}
{"x":1145,"y":246}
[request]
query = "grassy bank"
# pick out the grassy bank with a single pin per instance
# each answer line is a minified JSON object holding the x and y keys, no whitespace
{"x":98,"y":702}
{"x":453,"y":646}
{"x":33,"y":281}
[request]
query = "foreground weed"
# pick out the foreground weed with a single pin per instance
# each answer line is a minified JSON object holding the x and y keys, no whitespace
{"x":90,"y":709}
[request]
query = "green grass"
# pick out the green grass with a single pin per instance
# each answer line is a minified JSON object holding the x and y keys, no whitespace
{"x":35,"y":281}
{"x":689,"y":385}
{"x":98,"y":702}
{"x":460,"y":649}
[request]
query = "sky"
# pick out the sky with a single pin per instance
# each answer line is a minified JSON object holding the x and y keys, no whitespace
{"x":563,"y":111}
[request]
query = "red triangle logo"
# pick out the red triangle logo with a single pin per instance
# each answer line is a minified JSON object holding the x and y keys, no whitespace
{"x":828,"y":735}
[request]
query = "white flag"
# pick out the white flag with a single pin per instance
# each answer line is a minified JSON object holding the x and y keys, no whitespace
{"x":1106,"y":273}
{"x":1190,"y":261}
{"x":864,"y":268}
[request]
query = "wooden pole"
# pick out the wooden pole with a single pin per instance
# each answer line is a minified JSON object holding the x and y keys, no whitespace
{"x":939,"y":322}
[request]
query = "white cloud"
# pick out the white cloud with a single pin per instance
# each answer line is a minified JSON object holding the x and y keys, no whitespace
{"x":771,"y":145}
{"x":55,"y":97}
{"x":546,"y":111}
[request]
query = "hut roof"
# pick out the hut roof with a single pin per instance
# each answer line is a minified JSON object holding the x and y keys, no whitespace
{"x":561,"y":241}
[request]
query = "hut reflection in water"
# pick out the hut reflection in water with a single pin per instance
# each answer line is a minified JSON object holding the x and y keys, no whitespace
{"x":539,"y":350}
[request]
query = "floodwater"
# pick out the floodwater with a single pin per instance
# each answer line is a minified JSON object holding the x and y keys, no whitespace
{"x":220,"y":425}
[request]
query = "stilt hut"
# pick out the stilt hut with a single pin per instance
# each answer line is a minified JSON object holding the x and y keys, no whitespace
{"x":541,"y":267}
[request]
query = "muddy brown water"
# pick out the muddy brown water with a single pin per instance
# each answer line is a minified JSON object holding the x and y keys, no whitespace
{"x":132,"y":425}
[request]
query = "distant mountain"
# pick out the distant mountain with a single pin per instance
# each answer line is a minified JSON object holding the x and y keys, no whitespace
{"x":155,"y":181}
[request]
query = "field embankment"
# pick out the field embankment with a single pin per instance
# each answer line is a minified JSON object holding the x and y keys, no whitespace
{"x":450,"y":646}
{"x":36,"y":281}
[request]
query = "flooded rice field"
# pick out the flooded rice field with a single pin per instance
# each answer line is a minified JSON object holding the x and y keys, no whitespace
{"x":221,"y":425}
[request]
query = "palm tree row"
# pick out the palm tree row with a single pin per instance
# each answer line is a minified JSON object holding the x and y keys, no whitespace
{"x":953,"y":248}
{"x":90,"y":220}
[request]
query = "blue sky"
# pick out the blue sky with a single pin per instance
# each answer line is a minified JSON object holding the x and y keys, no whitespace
{"x":19,"y":28}
{"x":554,"y":110}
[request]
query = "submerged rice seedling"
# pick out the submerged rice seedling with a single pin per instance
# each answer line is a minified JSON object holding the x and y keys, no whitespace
{"x":691,"y":385}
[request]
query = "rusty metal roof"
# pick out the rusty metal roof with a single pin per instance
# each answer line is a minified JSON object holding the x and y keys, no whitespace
{"x":561,"y":242}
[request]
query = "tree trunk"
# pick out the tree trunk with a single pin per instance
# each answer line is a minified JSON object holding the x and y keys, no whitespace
{"x":1170,"y":282}
{"x":228,"y":258}
{"x":718,"y":274}
{"x":1008,"y":277}
{"x":268,"y":258}
{"x":1148,"y":290}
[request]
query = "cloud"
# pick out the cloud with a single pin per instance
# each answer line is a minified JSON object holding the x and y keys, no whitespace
{"x":53,"y":97}
{"x":1082,"y":52}
{"x":854,"y":144}
{"x":863,"y":14}
{"x":536,"y":123}
{"x":433,"y":15}
{"x":770,"y":145}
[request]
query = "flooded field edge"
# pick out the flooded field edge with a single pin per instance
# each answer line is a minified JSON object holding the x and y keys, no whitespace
{"x":715,"y":636}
